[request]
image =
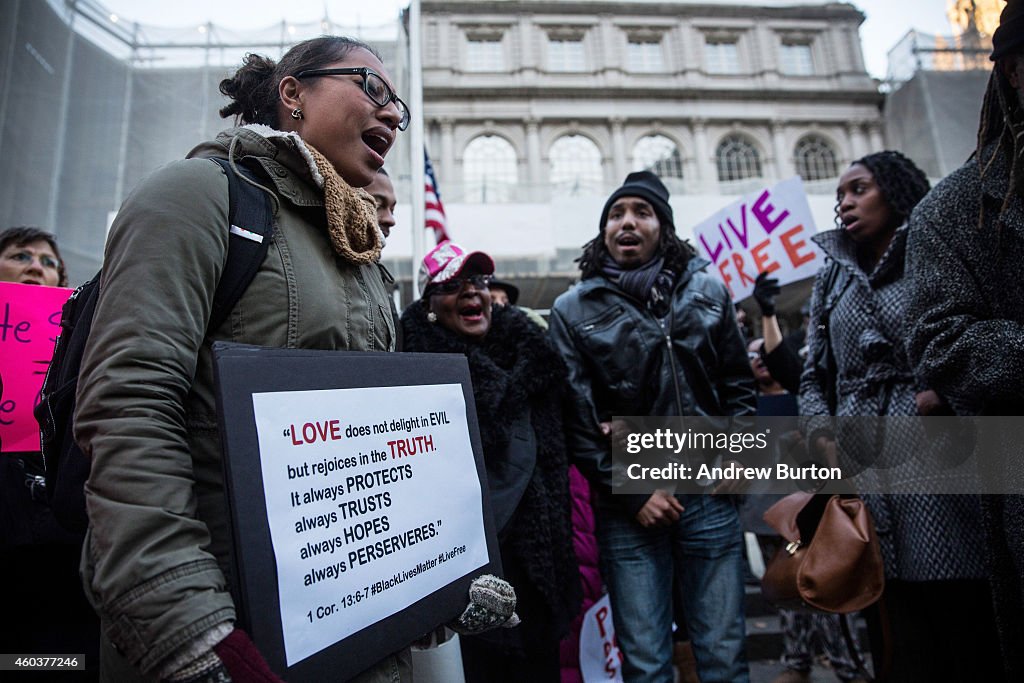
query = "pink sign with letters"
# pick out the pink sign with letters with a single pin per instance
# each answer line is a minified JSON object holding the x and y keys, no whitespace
{"x":29,"y":325}
{"x":769,"y":230}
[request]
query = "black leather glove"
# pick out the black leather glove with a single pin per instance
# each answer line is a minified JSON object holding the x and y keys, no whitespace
{"x":766,"y":289}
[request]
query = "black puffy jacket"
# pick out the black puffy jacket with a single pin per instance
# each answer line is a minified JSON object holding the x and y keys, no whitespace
{"x":624,"y":361}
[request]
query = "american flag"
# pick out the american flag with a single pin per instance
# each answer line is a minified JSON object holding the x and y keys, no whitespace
{"x":434,"y":214}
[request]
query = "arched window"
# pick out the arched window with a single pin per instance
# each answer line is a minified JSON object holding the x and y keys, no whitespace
{"x":489,"y":169}
{"x":815,"y":158}
{"x":659,"y":155}
{"x":576,"y":166}
{"x":737,"y":159}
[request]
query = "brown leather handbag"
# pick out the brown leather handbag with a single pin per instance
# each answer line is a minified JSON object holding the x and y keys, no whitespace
{"x":831,"y":561}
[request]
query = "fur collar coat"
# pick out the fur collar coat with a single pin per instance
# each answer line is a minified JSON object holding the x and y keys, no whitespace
{"x":516,"y":370}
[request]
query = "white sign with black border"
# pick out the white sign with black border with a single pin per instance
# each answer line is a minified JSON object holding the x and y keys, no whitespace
{"x":358,"y":501}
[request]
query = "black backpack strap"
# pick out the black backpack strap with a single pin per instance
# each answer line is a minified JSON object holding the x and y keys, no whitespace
{"x":251,"y":222}
{"x":66,"y":467}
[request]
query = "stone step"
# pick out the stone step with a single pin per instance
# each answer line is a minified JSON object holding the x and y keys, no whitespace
{"x":755,"y":603}
{"x":764,"y":638}
{"x":764,"y":627}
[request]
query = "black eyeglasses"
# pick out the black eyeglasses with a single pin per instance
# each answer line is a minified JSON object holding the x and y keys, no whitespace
{"x":373,"y":85}
{"x":455,"y":284}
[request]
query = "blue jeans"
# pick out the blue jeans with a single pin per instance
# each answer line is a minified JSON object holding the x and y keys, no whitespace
{"x":704,"y":547}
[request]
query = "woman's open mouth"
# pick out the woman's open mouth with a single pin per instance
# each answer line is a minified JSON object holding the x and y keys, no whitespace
{"x":473,"y":312}
{"x":378,"y":141}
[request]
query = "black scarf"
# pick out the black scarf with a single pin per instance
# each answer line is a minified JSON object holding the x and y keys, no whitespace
{"x":651,"y":283}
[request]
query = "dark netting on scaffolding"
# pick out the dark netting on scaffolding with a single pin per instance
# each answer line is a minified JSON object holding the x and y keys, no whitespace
{"x":89,"y":105}
{"x":35,"y":45}
{"x":89,"y":172}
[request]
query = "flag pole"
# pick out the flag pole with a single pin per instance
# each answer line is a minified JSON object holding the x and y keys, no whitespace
{"x":416,"y":147}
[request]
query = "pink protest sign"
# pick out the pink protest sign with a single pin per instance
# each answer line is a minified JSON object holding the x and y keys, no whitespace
{"x":29,"y":324}
{"x":768,"y":230}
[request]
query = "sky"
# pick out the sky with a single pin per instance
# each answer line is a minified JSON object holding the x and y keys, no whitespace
{"x":887,"y":20}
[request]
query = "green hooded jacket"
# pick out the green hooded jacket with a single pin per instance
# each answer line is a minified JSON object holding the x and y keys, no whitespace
{"x":158,"y":547}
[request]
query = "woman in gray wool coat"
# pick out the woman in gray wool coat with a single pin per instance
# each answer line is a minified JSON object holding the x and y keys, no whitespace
{"x":936,"y":600}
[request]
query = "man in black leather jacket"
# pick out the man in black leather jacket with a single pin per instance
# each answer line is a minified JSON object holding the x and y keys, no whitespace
{"x":648,"y":332}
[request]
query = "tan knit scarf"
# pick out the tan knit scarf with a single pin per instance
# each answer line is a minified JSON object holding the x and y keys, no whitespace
{"x":351,"y":216}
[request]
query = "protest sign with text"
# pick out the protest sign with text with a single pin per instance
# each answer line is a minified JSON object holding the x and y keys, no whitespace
{"x":356,"y":492}
{"x":768,"y":230}
{"x":600,"y":657}
{"x":29,"y":325}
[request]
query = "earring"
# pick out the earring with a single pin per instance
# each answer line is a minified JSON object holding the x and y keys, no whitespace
{"x":296,"y":113}
{"x":431,"y":317}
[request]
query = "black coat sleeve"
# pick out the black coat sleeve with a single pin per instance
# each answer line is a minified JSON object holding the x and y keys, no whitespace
{"x":785,"y":367}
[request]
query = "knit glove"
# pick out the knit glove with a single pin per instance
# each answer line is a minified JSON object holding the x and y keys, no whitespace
{"x":243,"y":661}
{"x":492,"y":603}
{"x":766,"y":289}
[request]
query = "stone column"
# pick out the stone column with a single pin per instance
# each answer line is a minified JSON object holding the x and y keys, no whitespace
{"x":783,"y":161}
{"x":447,"y":169}
{"x":874,"y":132}
{"x":527,"y":55}
{"x":606,"y":46}
{"x":858,"y":145}
{"x":537,"y":178}
{"x":620,"y":167}
{"x":707,"y":176}
{"x":447,"y":47}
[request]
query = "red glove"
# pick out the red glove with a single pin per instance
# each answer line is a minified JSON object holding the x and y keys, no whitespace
{"x":243,"y":661}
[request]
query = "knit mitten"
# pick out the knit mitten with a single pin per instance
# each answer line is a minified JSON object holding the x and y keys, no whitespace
{"x":492,"y":603}
{"x":243,"y":660}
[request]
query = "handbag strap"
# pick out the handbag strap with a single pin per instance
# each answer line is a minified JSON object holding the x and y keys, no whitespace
{"x":884,"y":669}
{"x":883,"y":618}
{"x":851,"y":647}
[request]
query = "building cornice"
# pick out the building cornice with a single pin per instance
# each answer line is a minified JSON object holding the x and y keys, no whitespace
{"x":829,"y":11}
{"x":676,"y":94}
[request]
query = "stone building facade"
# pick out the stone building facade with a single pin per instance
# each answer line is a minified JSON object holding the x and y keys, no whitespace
{"x":533,"y":105}
{"x":739,"y":90}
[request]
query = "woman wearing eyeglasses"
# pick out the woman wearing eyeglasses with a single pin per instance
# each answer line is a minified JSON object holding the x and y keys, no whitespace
{"x":518,"y":383}
{"x":313,"y":128}
{"x":30,"y":256}
{"x":40,"y":558}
